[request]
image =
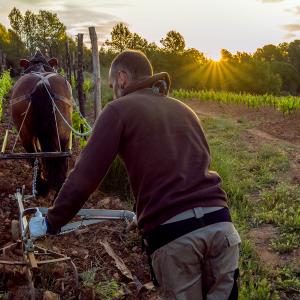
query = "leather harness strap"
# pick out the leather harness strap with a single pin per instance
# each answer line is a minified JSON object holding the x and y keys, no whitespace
{"x":45,"y":80}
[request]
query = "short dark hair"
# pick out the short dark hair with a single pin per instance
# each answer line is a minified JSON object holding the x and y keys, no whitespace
{"x":133,"y":62}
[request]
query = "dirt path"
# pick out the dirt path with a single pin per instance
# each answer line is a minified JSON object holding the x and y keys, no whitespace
{"x":267,"y":123}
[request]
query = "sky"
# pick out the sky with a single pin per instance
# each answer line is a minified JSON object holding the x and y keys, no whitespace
{"x":208,"y":25}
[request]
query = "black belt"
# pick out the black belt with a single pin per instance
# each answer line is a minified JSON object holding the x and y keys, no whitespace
{"x":164,"y":234}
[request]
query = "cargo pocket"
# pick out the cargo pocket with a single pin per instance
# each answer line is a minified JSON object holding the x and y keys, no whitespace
{"x":233,"y":239}
{"x":230,"y":258}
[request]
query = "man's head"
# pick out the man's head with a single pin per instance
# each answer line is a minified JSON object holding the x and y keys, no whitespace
{"x":127,"y":67}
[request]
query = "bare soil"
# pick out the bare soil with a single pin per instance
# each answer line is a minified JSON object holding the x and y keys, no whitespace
{"x":84,"y":247}
{"x":269,"y":123}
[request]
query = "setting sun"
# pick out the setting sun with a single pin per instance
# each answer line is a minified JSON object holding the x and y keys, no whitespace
{"x":216,"y":57}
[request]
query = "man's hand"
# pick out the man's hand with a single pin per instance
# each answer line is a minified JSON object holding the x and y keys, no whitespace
{"x":37,"y":225}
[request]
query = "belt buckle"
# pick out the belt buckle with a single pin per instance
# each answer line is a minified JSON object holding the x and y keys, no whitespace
{"x":198,"y":212}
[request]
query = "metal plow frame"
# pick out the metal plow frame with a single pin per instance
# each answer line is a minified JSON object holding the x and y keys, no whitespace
{"x":32,"y":252}
{"x":12,"y":155}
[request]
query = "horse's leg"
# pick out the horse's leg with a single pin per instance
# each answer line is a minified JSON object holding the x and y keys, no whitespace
{"x":42,"y":186}
{"x":56,"y":172}
{"x":57,"y":168}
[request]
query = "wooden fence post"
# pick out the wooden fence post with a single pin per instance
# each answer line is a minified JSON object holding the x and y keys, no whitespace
{"x":96,"y":72}
{"x":68,"y":61}
{"x":4,"y":61}
{"x":73,"y":58}
{"x":80,"y":74}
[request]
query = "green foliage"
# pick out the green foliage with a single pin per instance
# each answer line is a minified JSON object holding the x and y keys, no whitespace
{"x":173,"y":42}
{"x":286,"y":104}
{"x":6,"y":84}
{"x":120,"y":37}
{"x":38,"y":31}
{"x":88,"y":85}
{"x":281,"y":206}
{"x":12,"y":46}
{"x":79,"y":125}
{"x":272,"y":69}
{"x":106,"y":290}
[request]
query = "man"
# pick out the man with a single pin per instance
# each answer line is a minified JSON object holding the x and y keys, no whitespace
{"x":180,"y":205}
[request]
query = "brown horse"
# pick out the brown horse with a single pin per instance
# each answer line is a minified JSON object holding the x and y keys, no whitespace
{"x":36,"y":98}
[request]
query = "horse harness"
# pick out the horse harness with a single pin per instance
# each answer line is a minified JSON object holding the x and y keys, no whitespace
{"x":43,"y":79}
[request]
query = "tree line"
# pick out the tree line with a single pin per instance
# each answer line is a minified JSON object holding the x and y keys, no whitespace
{"x":272,"y":69}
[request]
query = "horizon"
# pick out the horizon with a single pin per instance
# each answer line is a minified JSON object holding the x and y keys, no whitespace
{"x":208,"y":26}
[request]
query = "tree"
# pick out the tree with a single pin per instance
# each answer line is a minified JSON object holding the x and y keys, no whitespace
{"x":16,"y":21}
{"x":269,"y":53}
{"x":226,"y":55}
{"x":243,"y":57}
{"x":294,"y":54}
{"x":120,"y":38}
{"x":41,"y":31}
{"x":30,"y":31}
{"x":12,"y":46}
{"x":173,"y":42}
{"x":289,"y":76}
{"x":137,"y":42}
{"x":49,"y":31}
{"x":195,"y":56}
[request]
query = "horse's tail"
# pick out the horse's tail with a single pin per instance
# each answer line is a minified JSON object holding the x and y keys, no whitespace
{"x":47,"y":133}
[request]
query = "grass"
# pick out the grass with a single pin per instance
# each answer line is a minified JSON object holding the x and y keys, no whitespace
{"x":6,"y":84}
{"x":253,"y":179}
{"x":106,"y":290}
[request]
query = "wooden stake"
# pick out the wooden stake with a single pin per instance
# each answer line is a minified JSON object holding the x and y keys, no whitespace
{"x":4,"y":144}
{"x":80,"y":78}
{"x":68,"y":61}
{"x":96,"y":72}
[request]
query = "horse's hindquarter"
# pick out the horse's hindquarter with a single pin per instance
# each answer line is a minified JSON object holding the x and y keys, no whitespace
{"x":62,"y":92}
{"x":21,"y":105}
{"x":20,"y":101}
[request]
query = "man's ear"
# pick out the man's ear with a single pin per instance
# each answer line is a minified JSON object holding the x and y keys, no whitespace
{"x":123,"y":79}
{"x":24,"y":63}
{"x":53,"y":62}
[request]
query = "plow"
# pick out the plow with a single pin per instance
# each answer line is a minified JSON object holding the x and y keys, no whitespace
{"x":32,"y":256}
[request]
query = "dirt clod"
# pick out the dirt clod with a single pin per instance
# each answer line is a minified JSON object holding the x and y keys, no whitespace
{"x":48,"y":295}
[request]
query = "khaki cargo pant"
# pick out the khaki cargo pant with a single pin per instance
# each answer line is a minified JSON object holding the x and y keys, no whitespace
{"x":199,"y":265}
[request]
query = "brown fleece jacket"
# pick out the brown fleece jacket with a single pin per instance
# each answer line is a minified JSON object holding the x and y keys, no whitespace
{"x":165,"y":152}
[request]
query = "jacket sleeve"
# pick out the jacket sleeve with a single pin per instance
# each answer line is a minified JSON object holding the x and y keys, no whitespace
{"x":90,"y":168}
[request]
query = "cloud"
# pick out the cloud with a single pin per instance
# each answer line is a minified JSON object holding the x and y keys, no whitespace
{"x":102,"y":30}
{"x":289,"y":36}
{"x":106,"y":3}
{"x":32,"y":1}
{"x":75,"y":18}
{"x":271,"y":1}
{"x":291,"y":27}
